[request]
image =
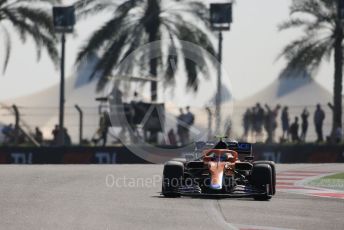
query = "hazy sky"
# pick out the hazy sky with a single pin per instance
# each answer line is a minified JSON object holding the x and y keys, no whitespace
{"x":250,"y":50}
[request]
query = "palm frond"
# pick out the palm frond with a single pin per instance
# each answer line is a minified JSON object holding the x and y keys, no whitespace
{"x":40,"y":18}
{"x":8,"y":46}
{"x":86,"y":8}
{"x":294,"y":23}
{"x":109,"y":31}
{"x":306,"y":54}
{"x":41,"y":39}
{"x":101,"y":37}
{"x":37,"y":1}
{"x":171,"y":62}
{"x":119,"y":37}
{"x":132,"y":58}
{"x":187,"y":32}
{"x":82,"y":4}
{"x":313,"y":8}
{"x":2,"y":2}
{"x":30,"y":18}
{"x":192,"y":73}
{"x":199,"y":10}
{"x":190,"y":32}
{"x":108,"y":60}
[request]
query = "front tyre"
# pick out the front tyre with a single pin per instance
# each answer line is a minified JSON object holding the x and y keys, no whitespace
{"x":262,"y":179}
{"x":273,"y":171}
{"x":172,"y":178}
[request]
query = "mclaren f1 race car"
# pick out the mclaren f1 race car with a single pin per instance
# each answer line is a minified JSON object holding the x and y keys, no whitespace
{"x":223,"y":169}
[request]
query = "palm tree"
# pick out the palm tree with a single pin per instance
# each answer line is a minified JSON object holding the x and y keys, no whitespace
{"x":135,"y":23}
{"x":29,"y":19}
{"x":323,"y":37}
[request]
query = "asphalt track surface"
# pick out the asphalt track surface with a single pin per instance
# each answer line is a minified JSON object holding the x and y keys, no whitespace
{"x":127,"y":197}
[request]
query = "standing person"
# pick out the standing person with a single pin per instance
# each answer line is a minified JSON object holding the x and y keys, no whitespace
{"x":189,"y":120}
{"x":181,"y":126}
{"x":104,"y":124}
{"x":260,"y":115}
{"x":67,"y":139}
{"x":319,"y":116}
{"x":103,"y":129}
{"x":55,"y":134}
{"x":304,"y":125}
{"x":228,"y":127}
{"x":274,"y":120}
{"x":246,"y":121}
{"x":338,"y":134}
{"x":254,"y":123}
{"x":285,"y":123}
{"x":38,"y":135}
{"x":271,"y":123}
{"x":294,"y":130}
{"x":8,"y":132}
{"x":172,"y":138}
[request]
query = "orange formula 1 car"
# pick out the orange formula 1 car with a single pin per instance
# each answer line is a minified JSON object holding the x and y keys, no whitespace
{"x":225,"y":169}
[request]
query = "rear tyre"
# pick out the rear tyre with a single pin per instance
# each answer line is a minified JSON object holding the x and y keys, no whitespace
{"x":172,"y":178}
{"x":273,"y":170}
{"x":262,"y":179}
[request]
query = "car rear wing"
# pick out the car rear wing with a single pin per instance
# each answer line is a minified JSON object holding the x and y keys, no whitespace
{"x":240,"y":147}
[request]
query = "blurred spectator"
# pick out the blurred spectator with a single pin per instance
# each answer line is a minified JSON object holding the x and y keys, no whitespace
{"x":246,"y":121}
{"x":259,"y":120}
{"x":181,"y":126}
{"x":172,"y":137}
{"x":254,"y":120}
{"x":102,"y":132}
{"x":294,"y":130}
{"x":285,"y":123}
{"x":189,"y":119}
{"x":38,"y":135}
{"x":8,"y":132}
{"x":319,"y":117}
{"x":116,"y":96}
{"x":271,"y":123}
{"x":304,"y":125}
{"x":55,"y":134}
{"x":338,"y":134}
{"x":66,"y":136}
{"x":228,"y":127}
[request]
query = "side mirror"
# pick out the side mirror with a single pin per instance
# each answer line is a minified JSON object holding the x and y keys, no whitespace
{"x":249,"y":158}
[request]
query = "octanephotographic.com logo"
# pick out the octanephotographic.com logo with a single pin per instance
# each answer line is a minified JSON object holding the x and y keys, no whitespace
{"x":135,"y":137}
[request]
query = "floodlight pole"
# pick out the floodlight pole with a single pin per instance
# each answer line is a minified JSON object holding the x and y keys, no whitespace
{"x":220,"y":19}
{"x":62,"y":91}
{"x":219,"y":85}
{"x":64,"y":20}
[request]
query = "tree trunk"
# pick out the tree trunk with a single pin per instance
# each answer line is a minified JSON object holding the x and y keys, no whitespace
{"x":153,"y":65}
{"x":338,"y":76}
{"x":152,"y":25}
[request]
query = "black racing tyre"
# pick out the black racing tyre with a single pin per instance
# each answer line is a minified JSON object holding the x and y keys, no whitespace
{"x":261,"y":178}
{"x":273,"y":169}
{"x":172,"y":178}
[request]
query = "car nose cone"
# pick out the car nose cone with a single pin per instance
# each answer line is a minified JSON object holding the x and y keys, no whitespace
{"x":216,"y":171}
{"x":216,"y":186}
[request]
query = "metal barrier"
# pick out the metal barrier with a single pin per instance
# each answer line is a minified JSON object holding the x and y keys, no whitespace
{"x":122,"y":155}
